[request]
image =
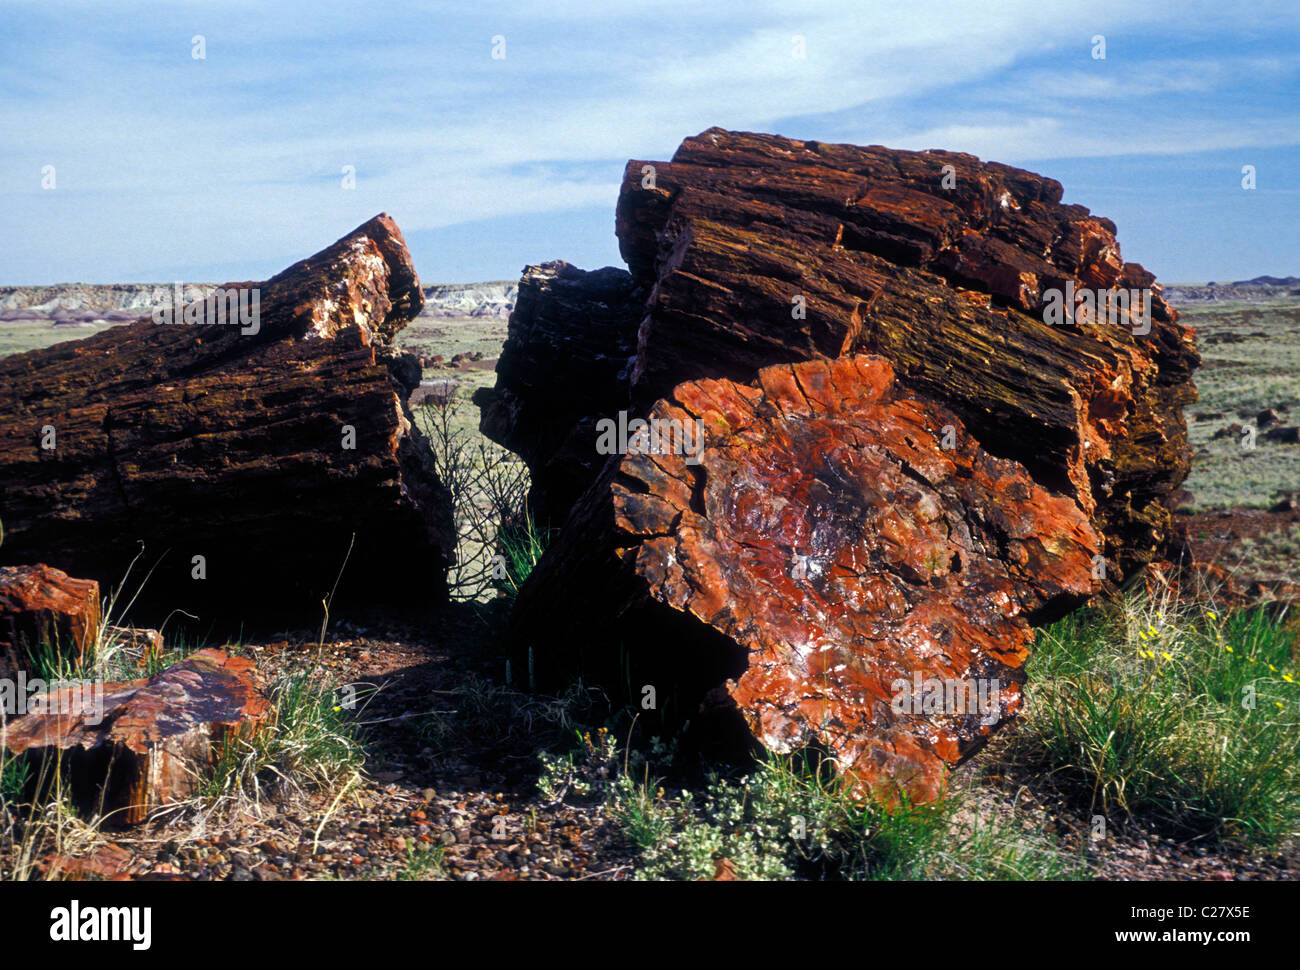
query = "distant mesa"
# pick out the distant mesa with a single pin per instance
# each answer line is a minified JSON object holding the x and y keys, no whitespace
{"x":491,"y":299}
{"x":82,"y":303}
{"x":1260,"y":289}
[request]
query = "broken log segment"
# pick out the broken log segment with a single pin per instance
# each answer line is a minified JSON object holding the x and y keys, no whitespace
{"x":571,"y":330}
{"x":760,"y":249}
{"x":836,"y":547}
{"x":754,"y":250}
{"x":47,"y":618}
{"x":245,"y":459}
{"x":838,"y":538}
{"x":131,"y":747}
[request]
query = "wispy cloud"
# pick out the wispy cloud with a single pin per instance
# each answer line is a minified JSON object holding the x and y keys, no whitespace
{"x":163,"y":160}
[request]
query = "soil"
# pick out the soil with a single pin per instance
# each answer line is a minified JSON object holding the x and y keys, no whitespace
{"x":1217,"y":536}
{"x":471,"y":795}
{"x":473,"y":798}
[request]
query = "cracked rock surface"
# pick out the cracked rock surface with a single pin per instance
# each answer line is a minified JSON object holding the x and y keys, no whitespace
{"x":141,"y":744}
{"x":840,"y":559}
{"x":938,"y":407}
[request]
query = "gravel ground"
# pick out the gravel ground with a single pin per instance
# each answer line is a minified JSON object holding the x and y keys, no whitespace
{"x":449,"y":791}
{"x":463,"y":806}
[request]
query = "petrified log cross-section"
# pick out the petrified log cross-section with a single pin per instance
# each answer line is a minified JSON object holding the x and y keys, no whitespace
{"x":944,"y":265}
{"x":830,"y":557}
{"x":262,"y":449}
{"x":832,"y":546}
{"x":755,"y":250}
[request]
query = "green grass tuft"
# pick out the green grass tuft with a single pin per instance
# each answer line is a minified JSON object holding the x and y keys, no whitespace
{"x":310,"y":743}
{"x":1173,"y":716}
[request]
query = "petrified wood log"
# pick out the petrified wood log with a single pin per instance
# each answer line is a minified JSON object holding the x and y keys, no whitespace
{"x":836,"y":549}
{"x":264,"y":448}
{"x":573,"y":332}
{"x":755,"y":250}
{"x":763,"y":249}
{"x":837,"y":538}
{"x":44,"y":612}
{"x":834,"y":539}
{"x":140,"y":744}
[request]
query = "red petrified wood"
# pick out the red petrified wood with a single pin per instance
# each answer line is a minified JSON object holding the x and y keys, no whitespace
{"x":142,"y":744}
{"x":840,"y":548}
{"x":763,"y":249}
{"x":850,"y":565}
{"x":44,"y":611}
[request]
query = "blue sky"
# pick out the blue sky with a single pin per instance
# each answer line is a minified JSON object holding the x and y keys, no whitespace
{"x":231,"y":167}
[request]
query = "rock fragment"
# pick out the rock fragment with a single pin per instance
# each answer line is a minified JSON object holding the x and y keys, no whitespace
{"x":47,"y":619}
{"x":828,"y":569}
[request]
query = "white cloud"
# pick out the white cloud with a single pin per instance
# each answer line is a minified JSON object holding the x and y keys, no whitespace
{"x":442,"y":134}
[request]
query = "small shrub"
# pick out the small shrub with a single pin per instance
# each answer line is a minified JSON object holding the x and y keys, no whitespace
{"x":791,"y":818}
{"x":423,"y":862}
{"x":14,"y":775}
{"x":521,"y":545}
{"x":489,"y":490}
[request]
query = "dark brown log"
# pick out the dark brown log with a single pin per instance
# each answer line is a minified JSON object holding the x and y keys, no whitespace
{"x":569,"y":329}
{"x":215,"y":441}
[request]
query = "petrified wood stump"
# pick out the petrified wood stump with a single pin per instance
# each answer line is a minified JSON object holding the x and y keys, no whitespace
{"x":141,"y":744}
{"x":840,"y":547}
{"x":262,"y":449}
